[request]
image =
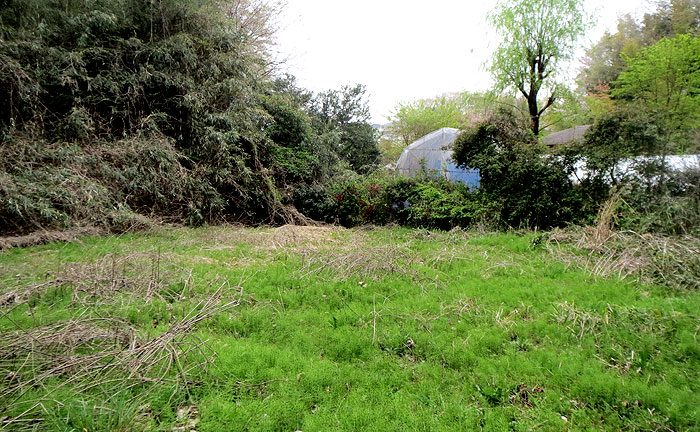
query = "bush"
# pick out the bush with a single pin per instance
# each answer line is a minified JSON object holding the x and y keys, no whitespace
{"x":520,"y":185}
{"x":315,"y":201}
{"x":109,"y":185}
{"x":380,"y":199}
{"x":653,"y":198}
{"x":670,"y":208}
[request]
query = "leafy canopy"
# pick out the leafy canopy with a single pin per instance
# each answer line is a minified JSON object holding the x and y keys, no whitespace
{"x":607,"y":58}
{"x":666,"y":78}
{"x":412,"y":120}
{"x":539,"y":36}
{"x":341,"y":118}
{"x":522,"y":187}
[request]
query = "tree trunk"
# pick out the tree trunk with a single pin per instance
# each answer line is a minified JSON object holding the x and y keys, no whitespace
{"x":535,"y":124}
{"x":534,"y":113}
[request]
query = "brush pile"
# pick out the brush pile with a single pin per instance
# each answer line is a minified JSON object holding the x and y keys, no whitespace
{"x":97,"y":349}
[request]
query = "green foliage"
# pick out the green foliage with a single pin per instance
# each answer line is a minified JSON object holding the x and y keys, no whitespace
{"x":673,"y":209}
{"x":359,"y":147}
{"x":290,"y":130}
{"x":107,"y":185}
{"x":341,"y":118}
{"x":340,"y":107}
{"x":169,"y":110}
{"x":672,"y":18}
{"x":609,"y":57}
{"x":132,"y":70}
{"x":538,"y":36}
{"x":653,"y":197}
{"x":379,"y":200}
{"x":410,"y":121}
{"x":316,"y":202}
{"x":620,"y":134}
{"x":522,"y":186}
{"x":569,"y":110}
{"x":443,"y":205}
{"x":665,"y":77}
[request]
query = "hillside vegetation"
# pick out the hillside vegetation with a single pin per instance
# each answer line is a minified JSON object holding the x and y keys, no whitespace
{"x":123,"y":112}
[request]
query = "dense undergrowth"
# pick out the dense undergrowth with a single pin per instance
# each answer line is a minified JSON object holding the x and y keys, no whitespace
{"x":534,"y":202}
{"x":323,"y":328}
{"x":117,"y":111}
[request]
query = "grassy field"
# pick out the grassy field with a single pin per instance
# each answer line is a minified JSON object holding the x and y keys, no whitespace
{"x":327,"y":329}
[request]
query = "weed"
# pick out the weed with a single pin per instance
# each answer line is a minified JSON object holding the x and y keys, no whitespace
{"x":318,"y":328}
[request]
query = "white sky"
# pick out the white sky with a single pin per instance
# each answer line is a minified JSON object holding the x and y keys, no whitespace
{"x":403,"y":50}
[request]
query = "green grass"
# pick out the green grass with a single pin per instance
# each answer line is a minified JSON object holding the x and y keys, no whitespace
{"x":385,"y":329}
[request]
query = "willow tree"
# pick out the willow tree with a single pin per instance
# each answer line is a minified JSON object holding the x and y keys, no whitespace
{"x":539,"y":37}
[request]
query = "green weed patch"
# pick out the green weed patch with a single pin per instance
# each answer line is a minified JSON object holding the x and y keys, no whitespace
{"x":322,"y":328}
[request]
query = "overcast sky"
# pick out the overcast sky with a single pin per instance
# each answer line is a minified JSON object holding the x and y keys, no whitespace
{"x":404,"y":50}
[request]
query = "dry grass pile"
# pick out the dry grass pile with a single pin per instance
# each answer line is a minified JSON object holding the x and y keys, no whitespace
{"x":102,"y":352}
{"x":290,"y":235}
{"x":143,"y":275}
{"x":269,"y":239}
{"x":47,"y":236}
{"x":359,"y":260}
{"x":649,"y":258}
{"x":577,"y":321}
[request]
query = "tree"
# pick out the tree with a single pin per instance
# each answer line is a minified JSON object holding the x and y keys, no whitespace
{"x":674,"y":17}
{"x":340,"y":118}
{"x":358,"y":146}
{"x":571,"y":109}
{"x":620,"y":134}
{"x":604,"y":61}
{"x":412,"y":120}
{"x":256,"y":20}
{"x":334,"y":108}
{"x":517,"y":183}
{"x":607,"y":58}
{"x":665,"y":78}
{"x":538,"y":37}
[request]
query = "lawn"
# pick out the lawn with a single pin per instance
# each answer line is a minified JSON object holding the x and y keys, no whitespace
{"x":329,"y":329}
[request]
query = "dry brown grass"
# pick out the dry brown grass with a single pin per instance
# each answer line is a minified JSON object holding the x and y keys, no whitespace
{"x":47,"y":236}
{"x":143,"y":275}
{"x":648,"y":258}
{"x":602,"y":231}
{"x":359,"y":260}
{"x":267,"y":239}
{"x":104,"y":352}
{"x":579,"y":322}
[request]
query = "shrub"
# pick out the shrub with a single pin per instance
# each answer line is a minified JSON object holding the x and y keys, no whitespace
{"x":670,"y":208}
{"x":380,"y":199}
{"x":107,"y":185}
{"x":315,"y":201}
{"x":521,"y":184}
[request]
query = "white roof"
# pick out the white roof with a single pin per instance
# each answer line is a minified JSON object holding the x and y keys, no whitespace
{"x":567,"y":135}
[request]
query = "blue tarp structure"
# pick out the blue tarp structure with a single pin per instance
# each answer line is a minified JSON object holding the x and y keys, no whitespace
{"x":434,"y":152}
